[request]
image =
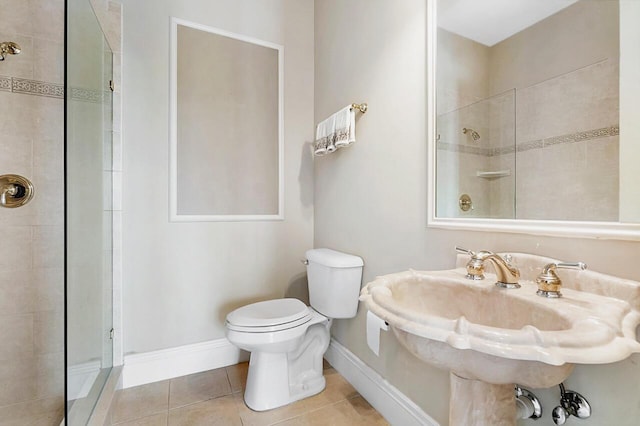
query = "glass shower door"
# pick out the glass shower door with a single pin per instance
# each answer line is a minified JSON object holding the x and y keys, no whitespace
{"x":89,"y":349}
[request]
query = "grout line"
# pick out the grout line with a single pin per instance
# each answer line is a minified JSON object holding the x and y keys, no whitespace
{"x":169,"y":397}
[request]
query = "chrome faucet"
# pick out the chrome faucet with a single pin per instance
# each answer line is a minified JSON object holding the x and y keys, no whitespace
{"x":507,"y":275}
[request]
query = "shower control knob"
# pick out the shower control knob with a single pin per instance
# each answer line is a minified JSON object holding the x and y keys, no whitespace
{"x":15,"y":191}
{"x":559,"y":415}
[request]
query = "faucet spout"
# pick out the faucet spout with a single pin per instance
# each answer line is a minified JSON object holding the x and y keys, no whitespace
{"x":507,"y":275}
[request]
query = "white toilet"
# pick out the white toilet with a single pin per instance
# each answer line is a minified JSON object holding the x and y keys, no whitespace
{"x":288,"y":339}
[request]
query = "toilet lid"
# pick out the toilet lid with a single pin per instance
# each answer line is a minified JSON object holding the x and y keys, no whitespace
{"x":268,"y":313}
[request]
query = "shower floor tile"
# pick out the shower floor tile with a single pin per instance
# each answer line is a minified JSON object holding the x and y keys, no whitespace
{"x":215,"y":398}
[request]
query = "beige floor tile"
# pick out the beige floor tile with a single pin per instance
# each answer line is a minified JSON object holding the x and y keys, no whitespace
{"x":337,"y":389}
{"x":221,"y":411}
{"x":238,"y":376}
{"x":140,"y":401}
{"x":155,"y":420}
{"x":343,"y":413}
{"x":264,"y":418}
{"x":366,"y":411}
{"x":198,"y":387}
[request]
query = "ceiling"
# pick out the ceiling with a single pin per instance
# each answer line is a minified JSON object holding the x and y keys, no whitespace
{"x":491,"y":21}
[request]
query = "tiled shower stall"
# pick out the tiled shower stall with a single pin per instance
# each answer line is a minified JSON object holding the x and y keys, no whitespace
{"x":32,"y":365}
{"x":34,"y":95}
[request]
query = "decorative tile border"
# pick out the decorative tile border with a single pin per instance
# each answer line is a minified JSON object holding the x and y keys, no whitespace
{"x":87,"y":95}
{"x":465,"y":149}
{"x":50,"y":90}
{"x":587,"y":135}
{"x":5,"y":83}
{"x":40,"y":88}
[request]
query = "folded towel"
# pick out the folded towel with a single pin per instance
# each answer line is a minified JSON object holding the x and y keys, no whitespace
{"x":335,"y":132}
{"x":345,"y":127}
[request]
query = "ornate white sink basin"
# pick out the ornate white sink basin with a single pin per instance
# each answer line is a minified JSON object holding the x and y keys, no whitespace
{"x":504,"y":336}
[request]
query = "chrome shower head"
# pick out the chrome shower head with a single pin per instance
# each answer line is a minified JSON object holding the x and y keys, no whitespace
{"x":474,"y":135}
{"x":8,"y":48}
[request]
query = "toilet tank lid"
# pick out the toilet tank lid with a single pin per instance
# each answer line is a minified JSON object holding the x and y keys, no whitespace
{"x":333,"y":259}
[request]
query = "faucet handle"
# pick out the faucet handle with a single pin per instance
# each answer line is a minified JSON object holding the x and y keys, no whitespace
{"x":475,"y":266}
{"x":571,"y":265}
{"x":465,"y":251}
{"x":549,"y":282}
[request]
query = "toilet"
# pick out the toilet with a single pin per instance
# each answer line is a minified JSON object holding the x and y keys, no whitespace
{"x":287,"y":339}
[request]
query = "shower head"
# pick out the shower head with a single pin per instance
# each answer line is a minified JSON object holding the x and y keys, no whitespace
{"x":474,"y":135}
{"x":8,"y":48}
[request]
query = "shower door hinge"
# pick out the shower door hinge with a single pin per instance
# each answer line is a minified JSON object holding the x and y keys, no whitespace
{"x":111,"y":334}
{"x":111,"y":85}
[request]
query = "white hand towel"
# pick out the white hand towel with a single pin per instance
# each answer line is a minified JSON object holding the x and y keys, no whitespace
{"x":335,"y":132}
{"x":324,"y":137}
{"x":345,"y":127}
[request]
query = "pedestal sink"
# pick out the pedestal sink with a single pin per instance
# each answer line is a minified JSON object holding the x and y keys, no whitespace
{"x":491,"y":338}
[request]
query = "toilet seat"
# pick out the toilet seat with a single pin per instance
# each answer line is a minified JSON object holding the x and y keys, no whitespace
{"x":269,"y":316}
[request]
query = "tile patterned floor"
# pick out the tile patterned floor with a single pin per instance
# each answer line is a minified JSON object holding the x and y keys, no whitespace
{"x":215,"y":398}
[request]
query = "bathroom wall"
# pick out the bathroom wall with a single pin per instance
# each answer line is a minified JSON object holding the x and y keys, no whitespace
{"x":370,"y":199}
{"x":181,"y":279}
{"x":31,"y":253}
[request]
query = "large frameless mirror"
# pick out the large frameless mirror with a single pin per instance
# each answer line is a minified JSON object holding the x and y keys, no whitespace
{"x":531,"y":106}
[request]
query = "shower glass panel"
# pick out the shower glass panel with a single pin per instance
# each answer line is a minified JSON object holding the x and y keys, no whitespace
{"x":476,"y":157}
{"x":88,"y":211}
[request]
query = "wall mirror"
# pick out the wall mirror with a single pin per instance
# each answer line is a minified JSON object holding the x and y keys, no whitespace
{"x":532,"y":116}
{"x":226,"y":150}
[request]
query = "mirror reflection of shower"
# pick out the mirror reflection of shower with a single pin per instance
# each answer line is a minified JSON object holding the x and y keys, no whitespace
{"x":474,"y":135}
{"x":8,"y":48}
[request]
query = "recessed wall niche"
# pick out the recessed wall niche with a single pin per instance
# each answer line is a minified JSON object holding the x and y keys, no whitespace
{"x":226,"y":126}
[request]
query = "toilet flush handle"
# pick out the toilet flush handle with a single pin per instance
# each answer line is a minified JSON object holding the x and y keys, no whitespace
{"x":304,"y":261}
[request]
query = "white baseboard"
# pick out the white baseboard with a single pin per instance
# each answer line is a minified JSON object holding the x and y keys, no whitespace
{"x":396,"y":408}
{"x":149,"y":367}
{"x":81,"y":378}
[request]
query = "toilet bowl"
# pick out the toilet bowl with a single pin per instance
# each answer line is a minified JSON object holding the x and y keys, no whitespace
{"x":288,"y":339}
{"x":286,"y":353}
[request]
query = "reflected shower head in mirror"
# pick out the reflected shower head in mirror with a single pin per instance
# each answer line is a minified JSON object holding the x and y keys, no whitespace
{"x":474,"y":135}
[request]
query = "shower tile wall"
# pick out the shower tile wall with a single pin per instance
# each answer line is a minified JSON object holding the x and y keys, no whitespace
{"x":31,"y":253}
{"x":460,"y":104}
{"x":461,"y":158}
{"x":568,"y":138}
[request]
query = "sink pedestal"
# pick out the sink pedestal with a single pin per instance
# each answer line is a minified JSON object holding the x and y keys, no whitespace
{"x":476,"y":403}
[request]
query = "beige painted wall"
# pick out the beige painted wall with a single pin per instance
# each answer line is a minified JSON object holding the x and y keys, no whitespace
{"x":371,"y":199}
{"x":181,"y":279}
{"x":227,"y":125}
{"x":629,"y":123}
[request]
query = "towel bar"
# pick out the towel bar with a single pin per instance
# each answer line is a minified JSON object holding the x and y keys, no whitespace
{"x":360,"y":107}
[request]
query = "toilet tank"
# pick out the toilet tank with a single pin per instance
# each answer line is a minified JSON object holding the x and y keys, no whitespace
{"x":334,"y":282}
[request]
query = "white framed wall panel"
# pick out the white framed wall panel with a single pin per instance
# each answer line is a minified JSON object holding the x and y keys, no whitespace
{"x":239,"y":135}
